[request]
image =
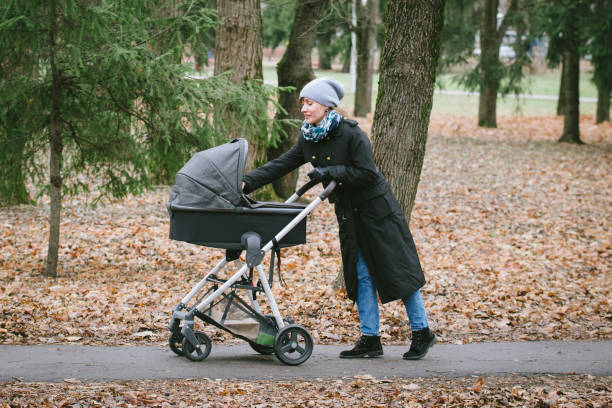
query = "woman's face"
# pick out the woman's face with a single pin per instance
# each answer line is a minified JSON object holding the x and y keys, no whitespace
{"x":313,"y":111}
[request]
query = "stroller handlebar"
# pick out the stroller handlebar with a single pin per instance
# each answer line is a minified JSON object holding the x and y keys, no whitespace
{"x":328,"y":190}
{"x":306,"y":187}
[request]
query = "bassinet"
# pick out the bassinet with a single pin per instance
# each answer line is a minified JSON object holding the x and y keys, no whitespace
{"x":207,"y":206}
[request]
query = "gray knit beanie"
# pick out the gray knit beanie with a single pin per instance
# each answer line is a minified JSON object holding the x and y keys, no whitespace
{"x":326,"y":91}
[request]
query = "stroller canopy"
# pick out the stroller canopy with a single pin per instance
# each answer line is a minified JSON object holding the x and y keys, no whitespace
{"x":212,"y":179}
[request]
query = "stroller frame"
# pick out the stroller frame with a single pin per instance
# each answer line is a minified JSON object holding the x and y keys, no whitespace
{"x":292,"y":344}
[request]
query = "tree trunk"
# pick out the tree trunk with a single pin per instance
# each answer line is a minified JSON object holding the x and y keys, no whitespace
{"x":239,"y":48}
{"x":295,"y":69}
{"x":366,"y":47}
{"x":238,"y":40}
{"x":346,"y":59}
{"x":324,"y":41}
{"x":601,"y":64}
{"x":487,"y":106}
{"x":407,"y":75}
{"x":603,"y":105}
{"x":571,"y":130}
{"x":489,"y":66}
{"x":55,"y":156}
{"x":562,"y":100}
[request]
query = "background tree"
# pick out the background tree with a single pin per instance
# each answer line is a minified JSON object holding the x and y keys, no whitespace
{"x":295,"y":70}
{"x":239,"y":49}
{"x":600,"y":48}
{"x":338,"y":15}
{"x":367,"y":16}
{"x":325,"y":44}
{"x":238,"y":40}
{"x":333,"y":34}
{"x":405,"y":93}
{"x":492,"y":74}
{"x":562,"y":98}
{"x":92,"y":95}
{"x":571,"y":81}
{"x":490,"y":66}
{"x":338,"y":19}
{"x":566,"y":24}
{"x":277,"y":16}
{"x":556,"y":54}
{"x":461,"y":23}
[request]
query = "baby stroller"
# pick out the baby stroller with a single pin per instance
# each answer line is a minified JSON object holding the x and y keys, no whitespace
{"x":207,"y":207}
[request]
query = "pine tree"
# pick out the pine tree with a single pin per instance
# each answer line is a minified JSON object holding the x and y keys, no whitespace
{"x":88,"y":88}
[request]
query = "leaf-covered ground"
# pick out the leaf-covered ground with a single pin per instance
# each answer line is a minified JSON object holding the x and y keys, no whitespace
{"x":360,"y":391}
{"x":513,"y":231}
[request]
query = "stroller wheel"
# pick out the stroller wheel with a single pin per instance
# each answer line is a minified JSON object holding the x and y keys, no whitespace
{"x":261,"y":349}
{"x":176,"y":342}
{"x":293,"y":344}
{"x":194,"y":354}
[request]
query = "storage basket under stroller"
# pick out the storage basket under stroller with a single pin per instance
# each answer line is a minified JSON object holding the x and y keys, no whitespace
{"x":207,"y":207}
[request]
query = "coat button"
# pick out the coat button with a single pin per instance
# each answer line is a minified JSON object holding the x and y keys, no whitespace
{"x":340,"y":184}
{"x":328,"y":158}
{"x":314,"y":157}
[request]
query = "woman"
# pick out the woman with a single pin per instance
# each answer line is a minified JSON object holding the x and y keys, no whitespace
{"x":378,"y":252}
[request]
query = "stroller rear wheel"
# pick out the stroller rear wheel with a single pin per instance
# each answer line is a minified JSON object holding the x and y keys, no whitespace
{"x":194,"y":354}
{"x":176,"y":342}
{"x":293,"y":344}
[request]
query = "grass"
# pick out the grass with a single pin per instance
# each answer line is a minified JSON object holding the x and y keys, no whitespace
{"x":467,"y":105}
{"x":544,"y":83}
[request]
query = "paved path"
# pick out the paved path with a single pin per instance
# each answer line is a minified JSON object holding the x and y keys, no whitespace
{"x":58,"y":362}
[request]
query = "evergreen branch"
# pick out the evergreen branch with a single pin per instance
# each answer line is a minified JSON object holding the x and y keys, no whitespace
{"x":75,"y":136}
{"x":503,"y":27}
{"x":126,"y":109}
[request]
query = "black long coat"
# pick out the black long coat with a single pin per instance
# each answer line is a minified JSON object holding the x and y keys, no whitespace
{"x":369,"y":217}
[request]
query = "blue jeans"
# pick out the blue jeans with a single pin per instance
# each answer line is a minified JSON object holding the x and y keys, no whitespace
{"x":367,"y":304}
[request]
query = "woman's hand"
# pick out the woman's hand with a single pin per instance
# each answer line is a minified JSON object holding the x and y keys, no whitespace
{"x":319,"y":174}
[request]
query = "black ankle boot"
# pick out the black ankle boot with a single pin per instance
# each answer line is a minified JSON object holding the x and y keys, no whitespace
{"x":422,"y":341}
{"x":367,"y":346}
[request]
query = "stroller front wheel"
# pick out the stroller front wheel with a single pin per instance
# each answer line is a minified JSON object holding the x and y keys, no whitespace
{"x":200,"y":354}
{"x":175,"y":341}
{"x":293,"y":344}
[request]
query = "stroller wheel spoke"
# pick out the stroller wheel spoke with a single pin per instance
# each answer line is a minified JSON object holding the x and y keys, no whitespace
{"x":293,"y":345}
{"x":197,"y":354}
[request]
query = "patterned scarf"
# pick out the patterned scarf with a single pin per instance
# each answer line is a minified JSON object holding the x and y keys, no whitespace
{"x":315,"y":134}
